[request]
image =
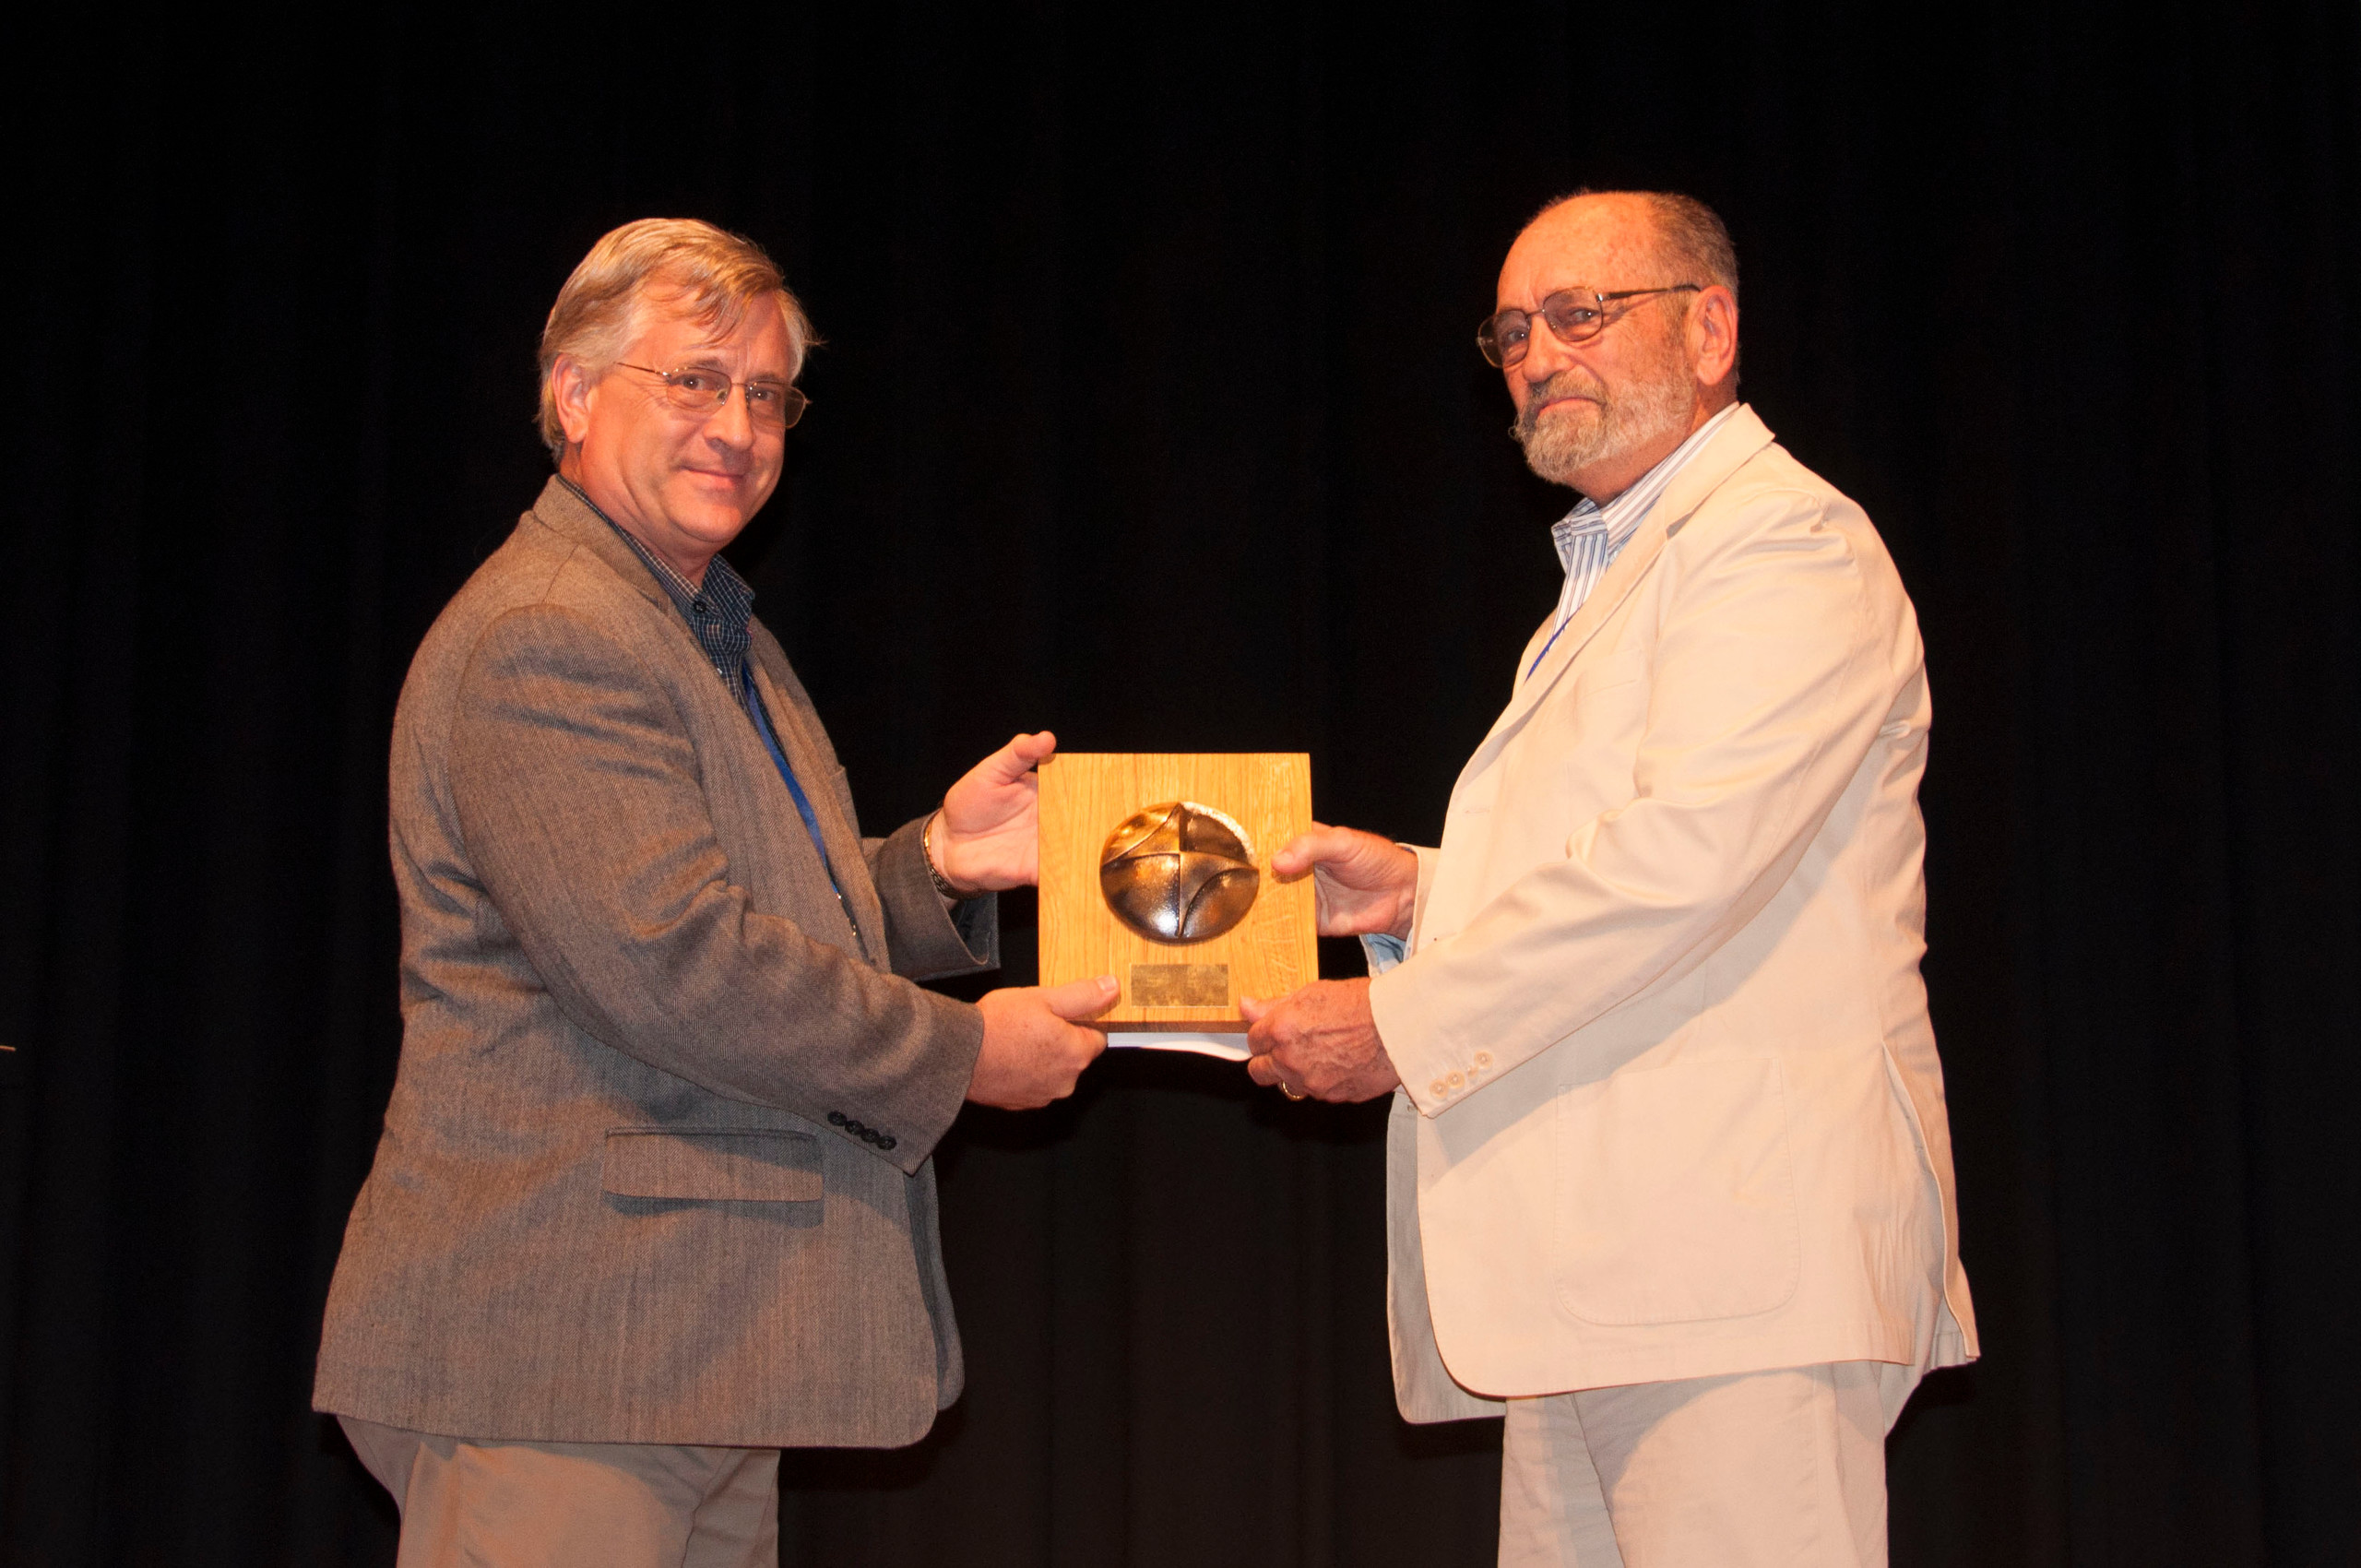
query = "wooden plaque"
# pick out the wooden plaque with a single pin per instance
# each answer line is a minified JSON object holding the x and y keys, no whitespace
{"x":1185,"y":985}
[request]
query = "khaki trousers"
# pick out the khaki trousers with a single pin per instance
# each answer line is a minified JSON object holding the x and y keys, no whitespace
{"x":574,"y":1504}
{"x":1768,"y":1469}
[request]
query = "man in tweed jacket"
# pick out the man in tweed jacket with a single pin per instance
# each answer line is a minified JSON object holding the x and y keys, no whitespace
{"x":654,"y":1196}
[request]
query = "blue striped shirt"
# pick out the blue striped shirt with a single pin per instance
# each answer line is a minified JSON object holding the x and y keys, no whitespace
{"x":1590,"y":537}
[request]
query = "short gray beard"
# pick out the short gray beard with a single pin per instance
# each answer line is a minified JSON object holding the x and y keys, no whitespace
{"x":1578,"y":438}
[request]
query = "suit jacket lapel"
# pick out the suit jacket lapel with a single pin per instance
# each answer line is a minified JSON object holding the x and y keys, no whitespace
{"x":566,"y":513}
{"x":1741,"y":439}
{"x":1533,"y":646}
{"x":792,"y":721}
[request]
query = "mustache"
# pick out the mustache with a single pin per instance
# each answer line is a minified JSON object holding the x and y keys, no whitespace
{"x":1568,"y":382}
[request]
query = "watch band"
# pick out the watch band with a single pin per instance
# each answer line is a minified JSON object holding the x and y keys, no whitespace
{"x":943,"y":884}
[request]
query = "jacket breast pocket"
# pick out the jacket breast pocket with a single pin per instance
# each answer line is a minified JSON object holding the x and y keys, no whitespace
{"x":748,"y":1165}
{"x":1621,"y":667}
{"x":1676,"y":1197}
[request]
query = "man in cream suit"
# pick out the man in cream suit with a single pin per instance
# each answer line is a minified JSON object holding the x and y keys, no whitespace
{"x":1669,"y":1173}
{"x":654,"y":1197}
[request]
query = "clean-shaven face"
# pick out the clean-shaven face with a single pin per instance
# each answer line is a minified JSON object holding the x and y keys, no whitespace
{"x":684,"y":480}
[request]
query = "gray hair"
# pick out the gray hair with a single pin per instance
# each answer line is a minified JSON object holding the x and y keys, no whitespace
{"x":712,"y":275}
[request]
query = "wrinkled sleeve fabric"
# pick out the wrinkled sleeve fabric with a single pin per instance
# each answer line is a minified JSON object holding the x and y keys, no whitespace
{"x":577,"y":792}
{"x":928,"y":939}
{"x":1769,"y":683}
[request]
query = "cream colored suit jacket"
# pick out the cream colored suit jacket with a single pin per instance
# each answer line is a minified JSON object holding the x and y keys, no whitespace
{"x":1672,"y":1106}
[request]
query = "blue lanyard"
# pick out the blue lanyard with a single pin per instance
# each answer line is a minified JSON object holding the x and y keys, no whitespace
{"x":1547,"y":646}
{"x":802,"y":801}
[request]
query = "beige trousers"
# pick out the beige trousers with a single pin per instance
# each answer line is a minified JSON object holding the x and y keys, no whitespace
{"x":1768,"y":1469}
{"x":574,"y":1504}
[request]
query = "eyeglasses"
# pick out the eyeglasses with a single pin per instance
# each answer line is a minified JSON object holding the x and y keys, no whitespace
{"x":1575,"y":315}
{"x":768,"y":403}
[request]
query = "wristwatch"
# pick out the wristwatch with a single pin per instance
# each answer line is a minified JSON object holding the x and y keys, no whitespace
{"x":943,"y":884}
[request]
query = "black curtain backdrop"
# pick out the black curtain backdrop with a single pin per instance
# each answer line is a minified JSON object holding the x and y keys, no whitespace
{"x":1150,"y":412}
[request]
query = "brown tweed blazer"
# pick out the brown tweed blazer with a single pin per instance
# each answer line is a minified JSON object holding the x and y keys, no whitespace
{"x":622,"y":1194}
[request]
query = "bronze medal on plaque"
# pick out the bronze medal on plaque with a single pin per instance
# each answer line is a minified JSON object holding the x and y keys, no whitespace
{"x":1155,"y":869}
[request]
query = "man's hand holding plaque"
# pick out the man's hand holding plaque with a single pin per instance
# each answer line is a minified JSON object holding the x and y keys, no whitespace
{"x":985,"y":838}
{"x":1320,"y":1041}
{"x":988,"y":834}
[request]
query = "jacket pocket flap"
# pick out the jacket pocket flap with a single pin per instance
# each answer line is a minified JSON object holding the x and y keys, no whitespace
{"x":755,"y":1165}
{"x":1620,"y":668}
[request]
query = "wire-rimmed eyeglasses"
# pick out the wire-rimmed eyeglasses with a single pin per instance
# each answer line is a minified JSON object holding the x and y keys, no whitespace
{"x":699,"y":391}
{"x":1575,"y":315}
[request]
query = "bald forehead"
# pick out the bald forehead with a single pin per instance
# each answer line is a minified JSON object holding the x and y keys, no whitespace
{"x":1606,"y":241}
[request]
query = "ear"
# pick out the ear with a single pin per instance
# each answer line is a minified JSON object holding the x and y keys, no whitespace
{"x":1712,"y":336}
{"x":573,"y":388}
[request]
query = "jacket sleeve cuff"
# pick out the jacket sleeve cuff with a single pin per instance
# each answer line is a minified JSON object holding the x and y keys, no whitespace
{"x":1384,"y":951}
{"x":1438,"y":1068}
{"x":1428,"y":860}
{"x":907,"y":1130}
{"x":930,"y":940}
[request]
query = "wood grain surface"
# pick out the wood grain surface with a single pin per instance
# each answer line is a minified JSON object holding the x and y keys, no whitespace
{"x":1085,"y":794}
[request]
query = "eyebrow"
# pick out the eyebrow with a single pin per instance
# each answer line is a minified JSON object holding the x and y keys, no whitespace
{"x":706,"y":359}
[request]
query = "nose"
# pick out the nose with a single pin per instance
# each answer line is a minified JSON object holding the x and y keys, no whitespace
{"x":731,"y":425}
{"x":1545,"y":354}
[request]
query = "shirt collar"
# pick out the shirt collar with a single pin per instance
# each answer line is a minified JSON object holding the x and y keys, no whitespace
{"x":717,"y":614}
{"x":1621,"y":517}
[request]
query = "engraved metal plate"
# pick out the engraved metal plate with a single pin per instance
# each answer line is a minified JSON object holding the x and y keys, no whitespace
{"x":1180,"y":985}
{"x":1178,"y":872}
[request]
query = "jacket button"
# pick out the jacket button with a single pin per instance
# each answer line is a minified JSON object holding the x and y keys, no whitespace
{"x":888,"y":1141}
{"x":1440,"y":1088}
{"x":1456,"y":1080}
{"x":836,"y":1118}
{"x":855,"y":1128}
{"x":1483,"y":1059}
